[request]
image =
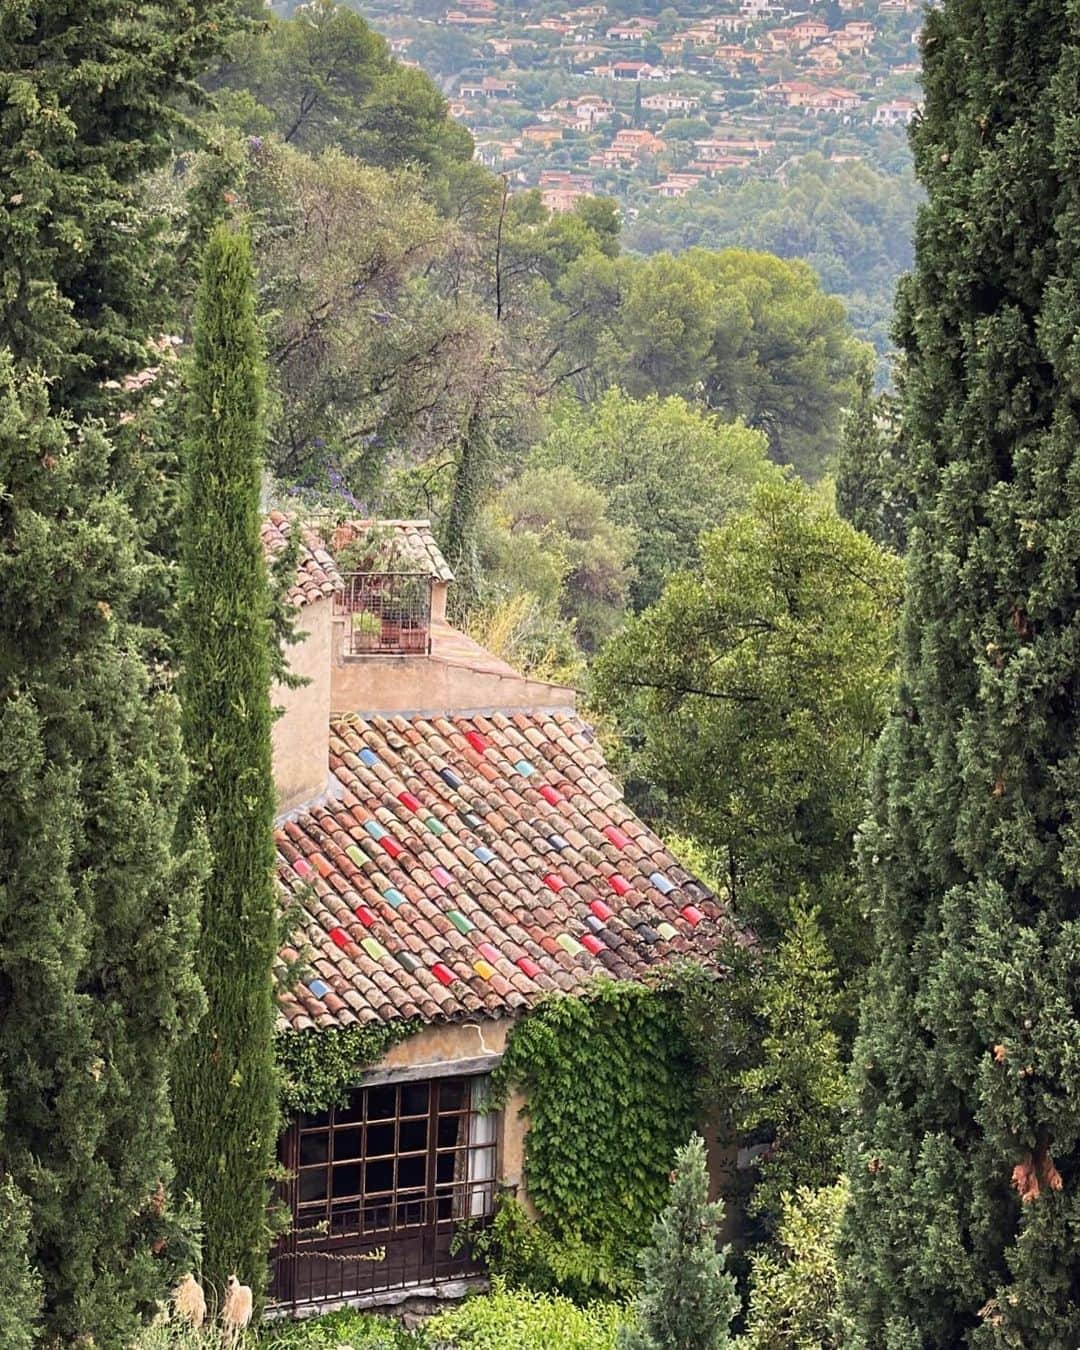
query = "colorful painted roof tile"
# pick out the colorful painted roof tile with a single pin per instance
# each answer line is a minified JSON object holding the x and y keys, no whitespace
{"x":532,"y":883}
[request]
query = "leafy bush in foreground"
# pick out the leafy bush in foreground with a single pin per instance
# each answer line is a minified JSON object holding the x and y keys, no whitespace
{"x":517,"y":1320}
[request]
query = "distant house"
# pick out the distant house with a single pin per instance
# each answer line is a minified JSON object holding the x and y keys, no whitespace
{"x":497,"y":154}
{"x":812,"y":98}
{"x":671,"y":103}
{"x":637,"y":70}
{"x":454,"y":849}
{"x":637,"y":142}
{"x":487,"y":88}
{"x":721,"y":147}
{"x":457,"y":18}
{"x":808,"y":31}
{"x":679,"y":184}
{"x":636,"y":30}
{"x":899,"y":112}
{"x":542,"y":135}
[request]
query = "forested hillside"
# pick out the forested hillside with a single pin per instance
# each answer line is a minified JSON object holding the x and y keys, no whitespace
{"x":439,"y":345}
{"x":748,"y":124}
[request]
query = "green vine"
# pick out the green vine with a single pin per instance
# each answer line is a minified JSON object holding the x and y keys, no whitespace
{"x":611,"y":1095}
{"x":316,"y":1069}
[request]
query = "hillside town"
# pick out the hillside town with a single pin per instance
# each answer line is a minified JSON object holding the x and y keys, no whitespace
{"x":641,"y":105}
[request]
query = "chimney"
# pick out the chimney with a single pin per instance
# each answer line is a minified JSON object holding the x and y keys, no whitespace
{"x":373,"y":613}
{"x":301,"y":733}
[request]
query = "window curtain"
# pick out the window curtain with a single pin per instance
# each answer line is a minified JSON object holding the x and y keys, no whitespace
{"x":481,"y":1163}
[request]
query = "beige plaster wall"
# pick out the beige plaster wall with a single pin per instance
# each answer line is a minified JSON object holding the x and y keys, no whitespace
{"x":393,"y":684}
{"x":437,"y":1047}
{"x":300,"y":734}
{"x":439,"y":592}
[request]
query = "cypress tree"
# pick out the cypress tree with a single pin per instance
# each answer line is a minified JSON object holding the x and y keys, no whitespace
{"x":96,"y":904}
{"x":226,"y":1087}
{"x":687,"y":1297}
{"x":20,"y":1284}
{"x":965,"y":1152}
{"x":89,"y":97}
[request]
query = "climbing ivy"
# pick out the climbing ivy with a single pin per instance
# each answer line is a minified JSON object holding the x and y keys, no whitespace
{"x":317,"y":1068}
{"x":611,"y":1095}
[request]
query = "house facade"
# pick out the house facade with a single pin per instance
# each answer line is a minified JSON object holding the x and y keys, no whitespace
{"x":455,"y":850}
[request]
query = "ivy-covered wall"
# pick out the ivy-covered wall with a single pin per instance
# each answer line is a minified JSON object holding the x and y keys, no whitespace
{"x":611,"y":1094}
{"x":317,"y":1068}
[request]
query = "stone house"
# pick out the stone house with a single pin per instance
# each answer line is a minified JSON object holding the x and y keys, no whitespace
{"x":456,"y":849}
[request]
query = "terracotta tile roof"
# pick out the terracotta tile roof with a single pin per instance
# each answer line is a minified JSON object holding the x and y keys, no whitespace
{"x":412,"y":542}
{"x":317,"y":576}
{"x":470,"y":864}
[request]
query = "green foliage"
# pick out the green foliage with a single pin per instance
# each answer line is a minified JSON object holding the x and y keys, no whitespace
{"x":518,"y":1320}
{"x":325,"y":79}
{"x":548,"y":532}
{"x":610,"y":1097}
{"x":226,"y":1085}
{"x":767,"y":1050}
{"x":20,"y":1284}
{"x":687,"y":1298}
{"x":795,"y":1282}
{"x":795,"y":1093}
{"x":89,"y":102}
{"x":872,"y":491}
{"x":748,"y":335}
{"x":851,"y":222}
{"x":965,"y":1147}
{"x":96,"y":903}
{"x":361,"y":1331}
{"x":316,"y":1069}
{"x":752,"y":692}
{"x":668,"y":472}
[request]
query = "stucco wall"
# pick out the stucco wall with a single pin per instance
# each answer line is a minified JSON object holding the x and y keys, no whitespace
{"x":300,"y":735}
{"x":394,"y":684}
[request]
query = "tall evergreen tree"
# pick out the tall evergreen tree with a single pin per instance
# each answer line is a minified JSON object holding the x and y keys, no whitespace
{"x":687,"y":1297}
{"x":89,"y":96}
{"x":965,"y":1153}
{"x":96,"y":905}
{"x":226,"y":1089}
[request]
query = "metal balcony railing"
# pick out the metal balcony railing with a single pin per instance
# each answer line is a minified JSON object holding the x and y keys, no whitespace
{"x":386,"y":613}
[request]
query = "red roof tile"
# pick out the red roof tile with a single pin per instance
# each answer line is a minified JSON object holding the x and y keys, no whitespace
{"x":317,"y":575}
{"x":444,"y":878}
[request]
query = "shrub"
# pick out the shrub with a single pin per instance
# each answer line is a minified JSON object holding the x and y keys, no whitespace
{"x":358,"y":1331}
{"x":795,"y":1283}
{"x":688,"y":1297}
{"x":518,"y":1320}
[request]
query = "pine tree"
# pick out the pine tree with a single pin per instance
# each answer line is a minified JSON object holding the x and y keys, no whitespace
{"x":687,"y":1298}
{"x":226,"y":1088}
{"x":965,"y":1153}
